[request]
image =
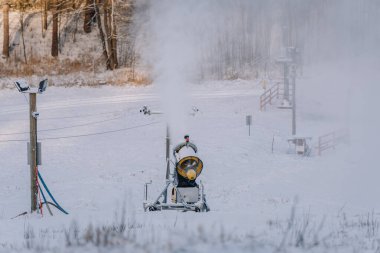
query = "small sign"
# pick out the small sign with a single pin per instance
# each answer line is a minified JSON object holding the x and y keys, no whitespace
{"x":248,"y":120}
{"x":39,"y":160}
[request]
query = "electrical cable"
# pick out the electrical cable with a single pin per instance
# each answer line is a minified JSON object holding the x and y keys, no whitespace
{"x":44,"y":198}
{"x":66,"y":127}
{"x":52,"y":204}
{"x":49,"y":193}
{"x":27,"y":101}
{"x":82,"y":116}
{"x":99,"y":133}
{"x":84,"y":135}
{"x":39,"y":193}
{"x":69,"y":117}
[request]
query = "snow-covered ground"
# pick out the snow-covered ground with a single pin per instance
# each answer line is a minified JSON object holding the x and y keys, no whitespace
{"x":99,"y":150}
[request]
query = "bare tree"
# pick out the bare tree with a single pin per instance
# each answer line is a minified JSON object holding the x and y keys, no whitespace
{"x":22,"y":28}
{"x":110,"y":27}
{"x":6,"y":28}
{"x":45,"y":4}
{"x":108,"y":33}
{"x":89,"y":14}
{"x":113,"y":36}
{"x":101,"y":32}
{"x":54,"y":44}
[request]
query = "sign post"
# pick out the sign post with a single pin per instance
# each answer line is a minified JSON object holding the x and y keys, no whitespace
{"x":248,"y":121}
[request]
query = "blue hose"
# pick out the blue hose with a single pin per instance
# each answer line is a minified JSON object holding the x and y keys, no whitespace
{"x":42,"y":193}
{"x":51,"y":196}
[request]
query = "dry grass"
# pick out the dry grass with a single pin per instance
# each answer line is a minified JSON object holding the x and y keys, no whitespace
{"x":83,"y":71}
{"x":47,"y":66}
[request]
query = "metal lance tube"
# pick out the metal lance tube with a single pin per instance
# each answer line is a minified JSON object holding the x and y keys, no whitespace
{"x":167,"y":160}
{"x":294,"y":127}
{"x":167,"y":153}
{"x":286,"y":82}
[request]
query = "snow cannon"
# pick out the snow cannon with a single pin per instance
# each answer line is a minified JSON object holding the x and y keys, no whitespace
{"x":186,"y":193}
{"x":189,"y":167}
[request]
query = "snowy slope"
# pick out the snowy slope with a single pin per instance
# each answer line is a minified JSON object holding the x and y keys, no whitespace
{"x":251,"y":191}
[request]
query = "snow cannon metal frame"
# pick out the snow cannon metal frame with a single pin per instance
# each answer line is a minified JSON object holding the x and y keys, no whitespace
{"x":186,"y":193}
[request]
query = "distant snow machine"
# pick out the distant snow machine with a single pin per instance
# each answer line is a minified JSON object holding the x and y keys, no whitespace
{"x":186,"y":193}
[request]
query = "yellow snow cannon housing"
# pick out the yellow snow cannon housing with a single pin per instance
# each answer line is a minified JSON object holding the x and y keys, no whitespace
{"x":190,"y":167}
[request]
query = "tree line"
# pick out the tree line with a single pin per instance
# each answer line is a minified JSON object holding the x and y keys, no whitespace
{"x":236,"y":38}
{"x":104,"y":14}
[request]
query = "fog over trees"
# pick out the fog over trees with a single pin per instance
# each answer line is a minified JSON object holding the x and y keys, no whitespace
{"x":245,"y":37}
{"x":230,"y":39}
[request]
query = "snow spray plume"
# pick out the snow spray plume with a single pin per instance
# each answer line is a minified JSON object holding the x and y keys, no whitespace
{"x":192,"y":40}
{"x":173,"y":57}
{"x":224,"y":39}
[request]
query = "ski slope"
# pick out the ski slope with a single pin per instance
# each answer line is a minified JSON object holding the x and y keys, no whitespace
{"x":98,"y":150}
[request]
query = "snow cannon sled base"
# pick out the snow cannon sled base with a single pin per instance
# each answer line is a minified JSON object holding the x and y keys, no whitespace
{"x":182,"y":199}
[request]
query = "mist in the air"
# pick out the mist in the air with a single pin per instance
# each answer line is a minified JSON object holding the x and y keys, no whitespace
{"x":192,"y":41}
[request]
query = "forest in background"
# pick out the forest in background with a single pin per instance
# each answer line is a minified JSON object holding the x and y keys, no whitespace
{"x":233,"y":39}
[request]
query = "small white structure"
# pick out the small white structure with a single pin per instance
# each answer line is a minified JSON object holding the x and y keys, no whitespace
{"x":300,"y":144}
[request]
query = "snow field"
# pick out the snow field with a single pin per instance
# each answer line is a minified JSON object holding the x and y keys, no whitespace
{"x":254,"y":194}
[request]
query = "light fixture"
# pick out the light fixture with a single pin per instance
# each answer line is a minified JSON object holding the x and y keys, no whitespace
{"x":23,"y":86}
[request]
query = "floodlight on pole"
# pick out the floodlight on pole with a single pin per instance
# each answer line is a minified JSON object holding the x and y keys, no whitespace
{"x":24,"y":87}
{"x":34,"y":148}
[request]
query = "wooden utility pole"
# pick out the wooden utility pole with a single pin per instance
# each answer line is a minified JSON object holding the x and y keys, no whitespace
{"x":33,"y":150}
{"x":6,"y":28}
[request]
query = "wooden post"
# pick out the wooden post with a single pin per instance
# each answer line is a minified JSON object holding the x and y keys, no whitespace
{"x":33,"y":150}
